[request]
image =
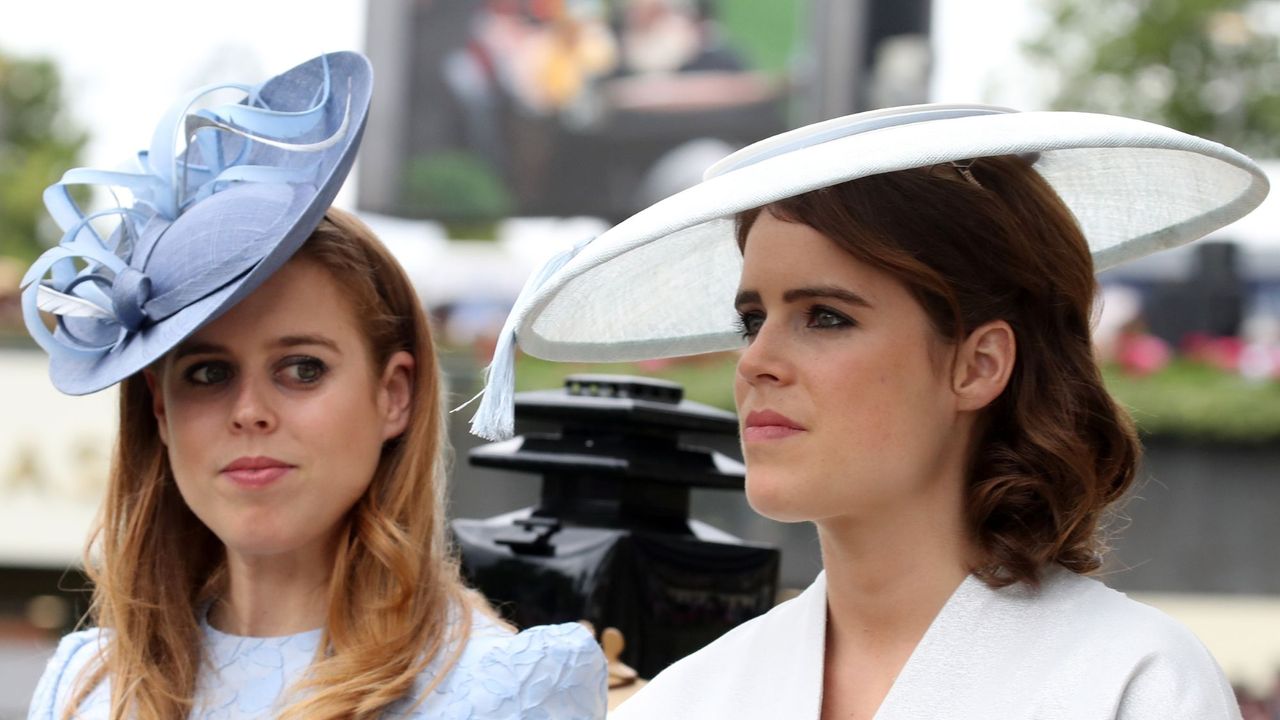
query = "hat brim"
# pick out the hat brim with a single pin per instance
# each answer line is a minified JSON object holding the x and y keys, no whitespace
{"x":661,"y":283}
{"x":352,"y":81}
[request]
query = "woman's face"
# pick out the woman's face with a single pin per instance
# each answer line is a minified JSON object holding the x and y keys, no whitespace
{"x":274,"y":415}
{"x":843,"y":391}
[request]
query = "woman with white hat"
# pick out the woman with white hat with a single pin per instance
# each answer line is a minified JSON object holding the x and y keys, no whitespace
{"x":911,"y":289}
{"x":272,"y":542}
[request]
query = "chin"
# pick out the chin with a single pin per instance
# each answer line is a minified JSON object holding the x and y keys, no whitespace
{"x":257,"y":546}
{"x":775,"y":495}
{"x":259,"y":538}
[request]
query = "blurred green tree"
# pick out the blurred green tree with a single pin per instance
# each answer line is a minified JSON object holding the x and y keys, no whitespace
{"x":1207,"y":67}
{"x":37,"y":144}
{"x":460,"y":190}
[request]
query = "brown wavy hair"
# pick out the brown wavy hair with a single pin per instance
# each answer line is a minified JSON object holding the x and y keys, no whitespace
{"x":1053,"y":451}
{"x":396,"y":599}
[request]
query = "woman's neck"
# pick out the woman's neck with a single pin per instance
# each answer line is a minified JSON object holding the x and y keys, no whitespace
{"x":888,"y":572}
{"x":888,"y":576}
{"x":274,"y":595}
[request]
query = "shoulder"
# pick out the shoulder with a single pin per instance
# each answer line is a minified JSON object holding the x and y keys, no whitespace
{"x":1110,"y":617}
{"x":567,"y":648}
{"x":550,"y":672}
{"x":1159,"y":667}
{"x":73,"y":655}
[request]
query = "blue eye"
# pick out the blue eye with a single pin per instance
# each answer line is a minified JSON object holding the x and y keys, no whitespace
{"x":749,"y":322}
{"x":208,"y":373}
{"x":305,"y":370}
{"x":820,"y":316}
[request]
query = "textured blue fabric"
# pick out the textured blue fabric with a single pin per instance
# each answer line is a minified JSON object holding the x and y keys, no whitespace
{"x":551,"y":672}
{"x":220,"y":201}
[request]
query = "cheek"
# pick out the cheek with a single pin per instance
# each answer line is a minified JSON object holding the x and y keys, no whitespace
{"x":192,"y":432}
{"x":884,"y":423}
{"x":889,"y":430}
{"x":345,"y":435}
{"x":894,"y":387}
{"x":189,"y":430}
{"x":352,"y":414}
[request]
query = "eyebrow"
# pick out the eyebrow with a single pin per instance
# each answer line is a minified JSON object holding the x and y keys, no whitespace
{"x":287,"y":341}
{"x":748,"y":297}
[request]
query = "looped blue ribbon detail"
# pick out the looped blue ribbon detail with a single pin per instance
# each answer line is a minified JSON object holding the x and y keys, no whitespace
{"x":97,"y":287}
{"x":129,"y":291}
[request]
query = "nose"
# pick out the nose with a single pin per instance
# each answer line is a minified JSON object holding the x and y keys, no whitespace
{"x":252,"y":410}
{"x":766,"y":359}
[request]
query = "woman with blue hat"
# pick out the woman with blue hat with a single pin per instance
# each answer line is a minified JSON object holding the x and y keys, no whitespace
{"x":273,"y":539}
{"x":911,"y":292}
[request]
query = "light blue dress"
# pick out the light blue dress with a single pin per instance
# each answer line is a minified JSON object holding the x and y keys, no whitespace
{"x":551,"y":672}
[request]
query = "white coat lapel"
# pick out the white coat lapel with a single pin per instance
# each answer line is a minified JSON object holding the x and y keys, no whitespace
{"x":966,"y":660}
{"x":787,"y":647}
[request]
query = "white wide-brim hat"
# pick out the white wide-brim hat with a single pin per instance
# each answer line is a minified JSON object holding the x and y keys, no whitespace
{"x":662,"y":283}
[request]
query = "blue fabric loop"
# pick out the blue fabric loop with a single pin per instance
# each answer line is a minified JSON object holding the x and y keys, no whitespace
{"x":75,"y":245}
{"x":129,"y":291}
{"x":59,"y":261}
{"x":67,"y":214}
{"x":98,"y":287}
{"x":163,"y":159}
{"x":163,"y":148}
{"x":261,"y":120}
{"x":257,"y":173}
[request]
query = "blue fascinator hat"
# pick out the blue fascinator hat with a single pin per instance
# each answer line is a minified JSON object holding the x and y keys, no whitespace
{"x":221,"y":200}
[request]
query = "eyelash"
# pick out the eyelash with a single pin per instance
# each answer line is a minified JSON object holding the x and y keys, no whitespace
{"x":189,"y":375}
{"x":301,"y":360}
{"x":749,"y":318}
{"x":293,"y":361}
{"x":742,"y":327}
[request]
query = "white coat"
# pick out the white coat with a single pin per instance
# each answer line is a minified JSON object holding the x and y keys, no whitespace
{"x":1074,"y":650}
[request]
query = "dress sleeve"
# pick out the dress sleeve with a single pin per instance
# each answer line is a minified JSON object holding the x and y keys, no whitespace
{"x":549,"y":672}
{"x":1179,"y":680}
{"x":56,"y":684}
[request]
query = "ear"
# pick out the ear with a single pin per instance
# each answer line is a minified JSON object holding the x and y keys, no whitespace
{"x":395,"y":394}
{"x":984,"y":362}
{"x":157,"y":405}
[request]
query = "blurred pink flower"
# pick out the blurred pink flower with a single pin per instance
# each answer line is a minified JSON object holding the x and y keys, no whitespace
{"x":1142,"y":354}
{"x":1220,"y":352}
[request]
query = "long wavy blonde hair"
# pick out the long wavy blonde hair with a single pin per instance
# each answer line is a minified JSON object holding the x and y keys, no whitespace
{"x":396,"y":599}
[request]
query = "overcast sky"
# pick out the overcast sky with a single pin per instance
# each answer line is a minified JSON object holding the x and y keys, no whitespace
{"x":128,"y":59}
{"x":125,"y":61}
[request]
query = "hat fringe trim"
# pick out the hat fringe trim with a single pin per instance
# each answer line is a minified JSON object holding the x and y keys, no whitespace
{"x":495,"y":418}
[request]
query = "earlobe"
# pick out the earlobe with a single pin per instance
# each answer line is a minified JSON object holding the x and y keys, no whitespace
{"x":157,"y":404}
{"x":984,"y":364}
{"x":397,"y":394}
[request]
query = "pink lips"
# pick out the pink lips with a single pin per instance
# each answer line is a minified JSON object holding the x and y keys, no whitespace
{"x":255,"y":472}
{"x":763,"y":425}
